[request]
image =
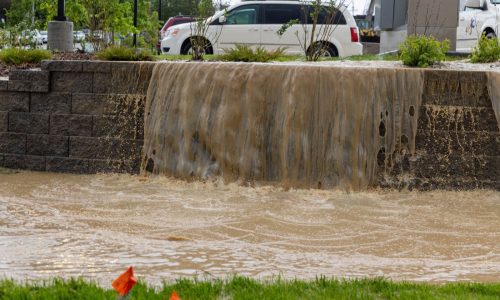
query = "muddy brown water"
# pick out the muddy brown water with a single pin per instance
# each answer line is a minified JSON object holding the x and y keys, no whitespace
{"x":95,"y":226}
{"x":296,"y":125}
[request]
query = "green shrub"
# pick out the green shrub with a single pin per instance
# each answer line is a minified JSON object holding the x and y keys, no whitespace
{"x":247,"y":54}
{"x":487,"y":50}
{"x":17,"y":57}
{"x":120,"y":53}
{"x":422,"y":51}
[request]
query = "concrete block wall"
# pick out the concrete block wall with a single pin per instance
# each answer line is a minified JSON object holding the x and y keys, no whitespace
{"x":458,"y":137}
{"x":88,"y":117}
{"x":79,"y":117}
{"x":458,"y":140}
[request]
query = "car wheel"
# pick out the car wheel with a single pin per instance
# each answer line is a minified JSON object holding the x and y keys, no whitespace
{"x":187,"y":49}
{"x":330,"y":51}
{"x":327,"y":50}
{"x":490,"y":35}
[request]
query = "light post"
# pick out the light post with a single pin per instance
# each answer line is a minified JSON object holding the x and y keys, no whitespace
{"x":60,"y":31}
{"x":159,"y":10}
{"x":60,"y":10}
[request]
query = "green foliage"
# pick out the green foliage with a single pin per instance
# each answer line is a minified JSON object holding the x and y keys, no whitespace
{"x":147,"y":25}
{"x":285,"y":27}
{"x":19,"y":12}
{"x":105,"y":16}
{"x":17,"y":36}
{"x":17,"y":57}
{"x":486,"y":51}
{"x":45,"y":11}
{"x":312,"y":35}
{"x":172,"y":8}
{"x":120,"y":53}
{"x":246,"y":288}
{"x":422,"y":51}
{"x":106,"y":19}
{"x":247,"y":54}
{"x":199,"y":44}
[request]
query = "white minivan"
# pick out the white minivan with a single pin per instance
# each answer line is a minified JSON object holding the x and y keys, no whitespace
{"x":256,"y":23}
{"x":478,"y":17}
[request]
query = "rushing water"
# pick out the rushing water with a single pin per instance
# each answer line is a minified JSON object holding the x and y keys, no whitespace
{"x":95,"y":226}
{"x":296,"y":125}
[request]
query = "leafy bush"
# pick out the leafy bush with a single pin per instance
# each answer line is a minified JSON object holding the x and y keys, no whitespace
{"x":16,"y":56}
{"x":487,"y":50}
{"x":120,"y":53}
{"x":422,"y":51}
{"x":247,"y":54}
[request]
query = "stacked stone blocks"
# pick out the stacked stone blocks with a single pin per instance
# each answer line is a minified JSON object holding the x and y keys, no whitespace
{"x":79,"y":117}
{"x":88,"y":117}
{"x":458,"y":140}
{"x":458,"y":137}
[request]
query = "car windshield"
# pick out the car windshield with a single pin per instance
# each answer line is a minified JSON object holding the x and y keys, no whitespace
{"x":495,"y":1}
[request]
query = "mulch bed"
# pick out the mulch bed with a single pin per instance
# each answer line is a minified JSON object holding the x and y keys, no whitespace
{"x":5,"y":69}
{"x":73,"y":56}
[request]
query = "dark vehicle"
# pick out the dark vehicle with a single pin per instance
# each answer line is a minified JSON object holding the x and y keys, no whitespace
{"x":180,"y":19}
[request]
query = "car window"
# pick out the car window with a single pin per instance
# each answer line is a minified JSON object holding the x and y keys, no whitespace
{"x":363,"y":24}
{"x":242,"y":15}
{"x":327,"y":15}
{"x":281,"y":13}
{"x":177,"y":22}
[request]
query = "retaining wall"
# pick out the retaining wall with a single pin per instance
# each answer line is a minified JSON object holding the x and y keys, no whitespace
{"x":458,"y":136}
{"x":87,"y":117}
{"x":81,"y":117}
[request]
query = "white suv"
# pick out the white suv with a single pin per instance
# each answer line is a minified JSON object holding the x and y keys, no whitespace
{"x":256,"y":23}
{"x":477,"y":18}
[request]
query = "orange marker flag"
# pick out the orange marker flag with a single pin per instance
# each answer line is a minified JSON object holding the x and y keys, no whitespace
{"x":124,"y":283}
{"x":174,"y":296}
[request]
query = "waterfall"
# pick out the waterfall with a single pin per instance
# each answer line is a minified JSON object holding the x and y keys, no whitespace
{"x":494,"y":92}
{"x":293,"y":125}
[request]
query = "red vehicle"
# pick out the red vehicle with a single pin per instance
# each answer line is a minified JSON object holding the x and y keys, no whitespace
{"x":180,"y":19}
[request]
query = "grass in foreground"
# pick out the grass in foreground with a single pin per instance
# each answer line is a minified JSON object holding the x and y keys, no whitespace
{"x":245,"y":288}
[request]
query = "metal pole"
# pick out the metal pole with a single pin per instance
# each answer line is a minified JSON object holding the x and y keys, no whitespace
{"x":159,"y":10}
{"x":135,"y":22}
{"x":60,"y":10}
{"x":33,"y":13}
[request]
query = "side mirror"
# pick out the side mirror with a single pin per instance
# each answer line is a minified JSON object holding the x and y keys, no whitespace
{"x":474,"y":4}
{"x":222,"y":19}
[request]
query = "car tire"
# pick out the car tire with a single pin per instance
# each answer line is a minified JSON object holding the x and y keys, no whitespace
{"x":327,"y":49}
{"x":490,"y":35}
{"x":331,"y":51}
{"x":186,"y":49}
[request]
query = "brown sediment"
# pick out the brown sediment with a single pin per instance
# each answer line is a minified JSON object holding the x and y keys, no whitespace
{"x":299,"y":126}
{"x":178,"y":239}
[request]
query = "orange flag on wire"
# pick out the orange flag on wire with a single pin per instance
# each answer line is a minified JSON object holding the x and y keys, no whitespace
{"x":174,"y":296}
{"x":124,"y":283}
